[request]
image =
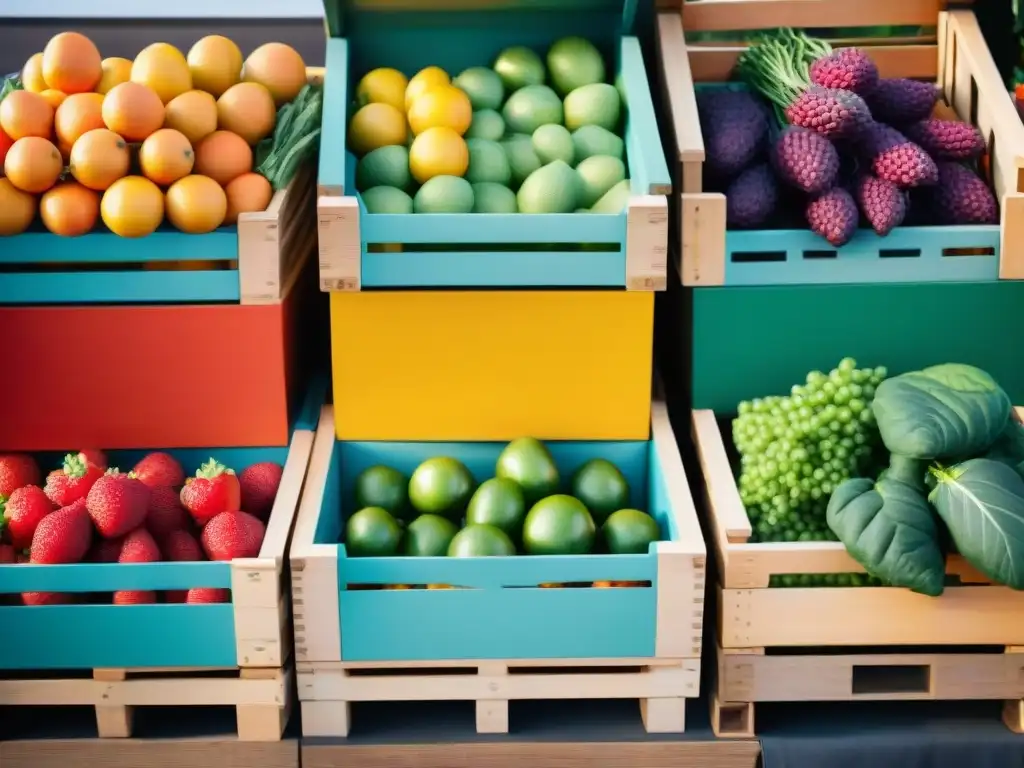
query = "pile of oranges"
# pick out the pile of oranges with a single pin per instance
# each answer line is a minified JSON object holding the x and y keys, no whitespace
{"x":133,"y":142}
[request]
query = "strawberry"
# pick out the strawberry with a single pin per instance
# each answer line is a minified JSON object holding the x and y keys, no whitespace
{"x":180,"y":547}
{"x":165,"y":512}
{"x":158,"y":469}
{"x":95,"y":456}
{"x":8,"y":555}
{"x":48,"y":598}
{"x":139,"y":546}
{"x":213,"y":490}
{"x":259,"y":484}
{"x":17,"y":470}
{"x":233,"y":534}
{"x":62,"y":536}
{"x":23,"y":512}
{"x":72,"y":481}
{"x":105,"y":551}
{"x":208,"y":595}
{"x":117,"y":503}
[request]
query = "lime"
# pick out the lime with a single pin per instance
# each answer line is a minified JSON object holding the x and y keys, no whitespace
{"x":441,"y":486}
{"x":519,"y":66}
{"x":528,"y":462}
{"x":498,"y":502}
{"x":558,"y":525}
{"x":372,"y":532}
{"x":428,"y":536}
{"x":381,"y":486}
{"x":481,"y":541}
{"x":630,"y":532}
{"x":483,"y":86}
{"x":601,"y":487}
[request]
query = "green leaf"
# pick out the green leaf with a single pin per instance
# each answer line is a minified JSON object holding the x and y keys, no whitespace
{"x":942,"y":412}
{"x":981,"y":501}
{"x":889,"y":528}
{"x":1009,"y":447}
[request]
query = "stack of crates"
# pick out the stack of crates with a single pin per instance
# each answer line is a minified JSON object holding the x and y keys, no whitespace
{"x":454,"y":333}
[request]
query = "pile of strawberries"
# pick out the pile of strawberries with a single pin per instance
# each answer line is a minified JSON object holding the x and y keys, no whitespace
{"x":89,"y":512}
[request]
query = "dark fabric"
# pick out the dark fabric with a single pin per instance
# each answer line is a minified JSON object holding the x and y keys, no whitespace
{"x":887,"y":735}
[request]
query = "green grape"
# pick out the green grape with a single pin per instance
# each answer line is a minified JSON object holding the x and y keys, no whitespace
{"x":796,"y":449}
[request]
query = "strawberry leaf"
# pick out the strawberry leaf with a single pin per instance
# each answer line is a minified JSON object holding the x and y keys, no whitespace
{"x":74,"y":465}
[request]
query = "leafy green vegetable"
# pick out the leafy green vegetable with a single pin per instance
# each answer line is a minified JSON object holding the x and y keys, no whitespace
{"x":945,"y":411}
{"x":888,"y":527}
{"x":910,"y":471}
{"x":982,"y":503}
{"x":12,"y":83}
{"x":1009,"y":447}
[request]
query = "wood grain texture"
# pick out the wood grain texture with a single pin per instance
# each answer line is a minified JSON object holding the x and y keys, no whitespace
{"x":152,"y":753}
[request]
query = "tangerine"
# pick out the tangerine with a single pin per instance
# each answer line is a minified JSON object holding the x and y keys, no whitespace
{"x":33,"y":164}
{"x":133,"y":110}
{"x":54,"y":98}
{"x":196,"y":204}
{"x":163,"y":68}
{"x":115,"y":71}
{"x":446,"y":106}
{"x":423,"y":81}
{"x":69,"y":209}
{"x":71,"y":63}
{"x":132,"y":207}
{"x":17,"y":209}
{"x":249,"y":193}
{"x":194,"y":113}
{"x":32,"y":74}
{"x":166,"y":156}
{"x":99,"y":158}
{"x":438,"y":151}
{"x":223,"y":156}
{"x":375,"y":126}
{"x":215,"y":63}
{"x":248,"y":110}
{"x":24,"y":113}
{"x":79,"y":114}
{"x":277,"y":67}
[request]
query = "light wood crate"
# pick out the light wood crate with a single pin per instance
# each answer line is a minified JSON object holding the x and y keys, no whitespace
{"x":956,"y":58}
{"x":770,"y":640}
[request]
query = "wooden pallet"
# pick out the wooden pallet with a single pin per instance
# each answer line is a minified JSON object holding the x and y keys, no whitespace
{"x":749,"y":676}
{"x":328,"y":689}
{"x":262,"y":697}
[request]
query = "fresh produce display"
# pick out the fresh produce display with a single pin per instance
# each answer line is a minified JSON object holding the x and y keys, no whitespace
{"x":525,"y":135}
{"x":87,"y":512}
{"x":903,"y":471}
{"x":194,"y":140}
{"x":441,"y":511}
{"x":817,"y":132}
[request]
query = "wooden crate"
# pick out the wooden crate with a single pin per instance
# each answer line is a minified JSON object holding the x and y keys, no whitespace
{"x":567,"y":639}
{"x":154,"y":654}
{"x":359,"y":250}
{"x":256,"y":262}
{"x":770,"y":640}
{"x":262,"y":696}
{"x":958,"y":60}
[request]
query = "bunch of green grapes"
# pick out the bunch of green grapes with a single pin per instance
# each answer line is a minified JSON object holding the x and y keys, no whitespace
{"x":796,"y":450}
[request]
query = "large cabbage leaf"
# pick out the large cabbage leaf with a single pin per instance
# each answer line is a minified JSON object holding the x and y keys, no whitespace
{"x":982,"y":503}
{"x":1009,"y":447}
{"x":946,"y":411}
{"x":889,"y":528}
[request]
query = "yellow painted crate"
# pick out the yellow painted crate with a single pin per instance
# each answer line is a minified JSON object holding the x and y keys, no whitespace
{"x":842,"y":643}
{"x":492,"y":365}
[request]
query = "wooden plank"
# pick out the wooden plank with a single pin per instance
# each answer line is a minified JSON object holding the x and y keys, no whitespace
{"x":720,"y":15}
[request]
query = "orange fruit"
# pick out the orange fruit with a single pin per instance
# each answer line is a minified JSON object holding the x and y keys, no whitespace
{"x":215,"y":63}
{"x":133,"y":111}
{"x":196,"y":204}
{"x":375,"y":126}
{"x":71,"y":63}
{"x":425,"y":80}
{"x":249,"y":193}
{"x":80,"y":113}
{"x":115,"y":71}
{"x":277,"y":67}
{"x":248,"y":110}
{"x":32,"y":74}
{"x":17,"y":209}
{"x":99,"y":158}
{"x":223,"y":156}
{"x":33,"y":164}
{"x":166,"y":156}
{"x":194,"y":113}
{"x":69,"y":209}
{"x":163,"y":68}
{"x":442,"y":107}
{"x":23,"y":113}
{"x":132,"y":207}
{"x":54,"y":98}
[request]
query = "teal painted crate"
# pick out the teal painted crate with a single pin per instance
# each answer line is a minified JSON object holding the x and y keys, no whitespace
{"x":255,"y":262}
{"x":504,"y":615}
{"x":712,"y":255}
{"x":360,"y":250}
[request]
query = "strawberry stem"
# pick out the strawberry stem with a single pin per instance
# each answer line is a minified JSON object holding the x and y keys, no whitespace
{"x":75,"y":465}
{"x":212,"y":469}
